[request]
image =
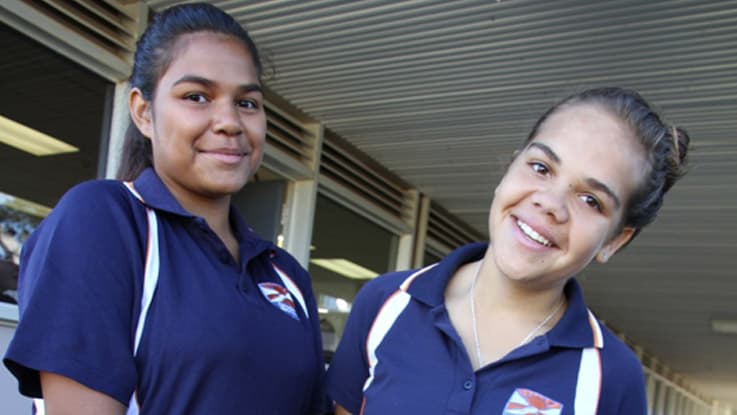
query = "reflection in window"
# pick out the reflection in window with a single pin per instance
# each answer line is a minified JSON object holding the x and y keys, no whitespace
{"x":18,"y":218}
{"x":347,"y":250}
{"x":50,"y":139}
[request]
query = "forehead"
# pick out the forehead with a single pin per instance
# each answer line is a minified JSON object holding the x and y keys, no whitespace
{"x":204,"y":51}
{"x":592,"y":142}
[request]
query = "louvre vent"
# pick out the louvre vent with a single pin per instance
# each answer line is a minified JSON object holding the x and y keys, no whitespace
{"x":290,"y":136}
{"x":347,"y":167}
{"x":107,"y":24}
{"x":447,"y":231}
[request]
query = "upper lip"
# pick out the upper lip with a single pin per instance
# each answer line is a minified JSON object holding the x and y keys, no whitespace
{"x":541,"y":230}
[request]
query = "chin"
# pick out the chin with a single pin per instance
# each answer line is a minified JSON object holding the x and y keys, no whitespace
{"x":224,"y":188}
{"x":515,"y":271}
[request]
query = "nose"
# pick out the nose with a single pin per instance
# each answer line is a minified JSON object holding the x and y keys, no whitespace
{"x":226,"y":119}
{"x":552,"y":202}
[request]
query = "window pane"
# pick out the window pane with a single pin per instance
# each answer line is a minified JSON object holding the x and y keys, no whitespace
{"x":51,"y":127}
{"x":347,"y":250}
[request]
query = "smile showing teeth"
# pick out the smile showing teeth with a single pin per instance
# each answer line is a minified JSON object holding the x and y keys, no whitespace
{"x":527,"y":230}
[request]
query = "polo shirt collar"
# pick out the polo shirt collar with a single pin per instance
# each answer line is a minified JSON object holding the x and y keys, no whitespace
{"x":572,"y":330}
{"x":156,"y":195}
{"x":430,"y":287}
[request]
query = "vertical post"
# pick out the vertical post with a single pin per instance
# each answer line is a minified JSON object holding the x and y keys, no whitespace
{"x":407,"y":242}
{"x":299,"y":216}
{"x":118,"y":124}
{"x":119,"y":117}
{"x":423,"y":216}
{"x":651,"y":384}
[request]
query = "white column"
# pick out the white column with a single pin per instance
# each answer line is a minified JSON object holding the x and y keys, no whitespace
{"x":119,"y":120}
{"x":423,"y":216}
{"x":299,"y":216}
{"x":408,"y":241}
{"x":651,"y":384}
{"x":661,"y":399}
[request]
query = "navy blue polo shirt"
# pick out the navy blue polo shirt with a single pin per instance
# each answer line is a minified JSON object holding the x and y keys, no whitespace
{"x":400,"y":354}
{"x":212,"y":343}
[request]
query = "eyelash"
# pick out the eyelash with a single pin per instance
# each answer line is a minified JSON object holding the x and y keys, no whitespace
{"x":253,"y":103}
{"x":249,"y":104}
{"x":536,"y":166}
{"x":589,"y":200}
{"x":195,"y":95}
{"x":592,"y":202}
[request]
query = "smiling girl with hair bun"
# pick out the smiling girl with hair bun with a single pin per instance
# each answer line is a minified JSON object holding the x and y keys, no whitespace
{"x":501,"y":327}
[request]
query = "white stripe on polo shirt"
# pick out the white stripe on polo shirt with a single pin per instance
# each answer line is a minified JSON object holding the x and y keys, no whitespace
{"x":292,"y":287}
{"x":384,"y":320}
{"x":588,"y":384}
{"x":150,"y":281}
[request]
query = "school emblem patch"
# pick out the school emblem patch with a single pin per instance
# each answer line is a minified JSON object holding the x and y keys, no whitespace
{"x":527,"y":402}
{"x":279,"y":297}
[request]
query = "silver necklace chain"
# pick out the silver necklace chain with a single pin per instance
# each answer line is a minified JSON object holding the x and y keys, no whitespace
{"x":474,"y":325}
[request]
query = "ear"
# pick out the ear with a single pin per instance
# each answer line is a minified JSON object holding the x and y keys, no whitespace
{"x":614,"y":245}
{"x":140,"y":111}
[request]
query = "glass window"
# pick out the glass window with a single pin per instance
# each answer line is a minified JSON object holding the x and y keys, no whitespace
{"x":346,"y":251}
{"x":51,"y":127}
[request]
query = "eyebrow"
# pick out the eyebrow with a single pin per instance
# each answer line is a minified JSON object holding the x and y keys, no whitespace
{"x":596,"y":184}
{"x":547,"y":150}
{"x":246,"y":88}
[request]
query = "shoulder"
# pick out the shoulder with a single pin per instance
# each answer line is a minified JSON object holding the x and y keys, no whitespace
{"x":621,"y":369}
{"x":94,"y":213}
{"x":101,"y":197}
{"x":386,"y":284}
{"x":618,"y":357}
{"x":377,"y":291}
{"x":623,"y":378}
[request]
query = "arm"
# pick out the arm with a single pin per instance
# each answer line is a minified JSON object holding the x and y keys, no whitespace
{"x":65,"y":396}
{"x":77,"y":277}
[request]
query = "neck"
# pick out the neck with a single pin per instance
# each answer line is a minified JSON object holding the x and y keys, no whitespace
{"x":495,"y":292}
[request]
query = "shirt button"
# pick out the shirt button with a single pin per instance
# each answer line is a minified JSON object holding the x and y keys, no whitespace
{"x":468,"y":385}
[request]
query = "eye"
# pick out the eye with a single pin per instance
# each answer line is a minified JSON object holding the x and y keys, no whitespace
{"x":539,"y":168}
{"x":247,"y":104}
{"x":196,"y":97}
{"x":592,"y":202}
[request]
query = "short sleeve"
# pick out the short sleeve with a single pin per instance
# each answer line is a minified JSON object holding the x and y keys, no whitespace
{"x":349,"y":369}
{"x":623,"y":381}
{"x":77,"y":290}
{"x":634,"y":398}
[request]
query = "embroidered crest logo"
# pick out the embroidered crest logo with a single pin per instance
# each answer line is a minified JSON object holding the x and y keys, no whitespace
{"x":279,"y":297}
{"x":527,"y":402}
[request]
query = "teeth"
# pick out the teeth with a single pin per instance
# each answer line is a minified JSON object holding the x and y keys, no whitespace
{"x":527,"y":230}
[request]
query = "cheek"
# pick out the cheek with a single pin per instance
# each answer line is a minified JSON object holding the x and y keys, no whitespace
{"x":257,"y":132}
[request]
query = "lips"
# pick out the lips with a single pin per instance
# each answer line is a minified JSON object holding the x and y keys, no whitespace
{"x":225,"y":155}
{"x":533,"y":234}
